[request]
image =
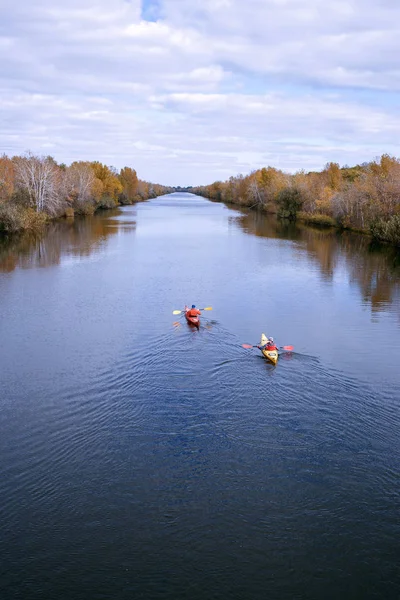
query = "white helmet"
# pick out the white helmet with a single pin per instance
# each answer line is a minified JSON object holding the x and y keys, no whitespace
{"x":271,"y":339}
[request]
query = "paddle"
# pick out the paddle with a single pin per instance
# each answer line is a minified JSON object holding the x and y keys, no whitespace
{"x":288,"y":348}
{"x":178,"y":312}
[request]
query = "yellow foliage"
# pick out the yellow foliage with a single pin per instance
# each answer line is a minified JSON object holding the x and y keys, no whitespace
{"x":111,"y":185}
{"x":323,"y":204}
{"x":334,"y":175}
{"x":97,"y":189}
{"x":7,"y":174}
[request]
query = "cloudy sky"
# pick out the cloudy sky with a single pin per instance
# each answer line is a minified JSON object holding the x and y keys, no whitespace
{"x":190,"y":91}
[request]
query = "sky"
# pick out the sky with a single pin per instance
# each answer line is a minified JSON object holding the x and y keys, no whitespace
{"x":188,"y":92}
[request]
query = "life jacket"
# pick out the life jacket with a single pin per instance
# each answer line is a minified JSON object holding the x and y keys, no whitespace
{"x":270,"y":346}
{"x":193,"y":312}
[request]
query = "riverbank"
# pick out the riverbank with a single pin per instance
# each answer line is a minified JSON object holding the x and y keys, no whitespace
{"x":381,"y":230}
{"x":17,"y":219}
{"x":35,"y":190}
{"x":364,"y":198}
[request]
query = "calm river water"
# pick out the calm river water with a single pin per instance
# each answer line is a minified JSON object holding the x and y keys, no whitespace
{"x":144,"y":459}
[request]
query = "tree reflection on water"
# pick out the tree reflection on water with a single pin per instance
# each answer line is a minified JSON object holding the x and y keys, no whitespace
{"x":374,"y":267}
{"x":80,"y":237}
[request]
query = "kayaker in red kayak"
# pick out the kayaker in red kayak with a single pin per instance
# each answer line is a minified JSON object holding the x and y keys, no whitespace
{"x":270,"y":345}
{"x":193,"y":312}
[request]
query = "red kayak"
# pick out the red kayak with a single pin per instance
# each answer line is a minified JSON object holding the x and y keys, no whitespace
{"x":192,"y":320}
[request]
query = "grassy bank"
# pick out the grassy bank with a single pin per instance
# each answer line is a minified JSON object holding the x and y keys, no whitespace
{"x":318,"y":220}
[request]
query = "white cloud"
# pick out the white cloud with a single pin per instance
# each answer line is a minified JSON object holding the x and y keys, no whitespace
{"x":205,"y":91}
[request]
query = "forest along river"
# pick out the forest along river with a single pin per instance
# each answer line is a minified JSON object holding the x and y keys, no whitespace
{"x":143,"y":459}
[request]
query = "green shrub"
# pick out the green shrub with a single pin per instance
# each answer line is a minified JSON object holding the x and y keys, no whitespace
{"x":124,"y":200}
{"x":289,"y":201}
{"x":105,"y":203}
{"x":387,"y":230}
{"x":21,"y":198}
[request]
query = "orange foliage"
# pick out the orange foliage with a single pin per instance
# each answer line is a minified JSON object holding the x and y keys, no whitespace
{"x":354,"y":196}
{"x":7,"y":178}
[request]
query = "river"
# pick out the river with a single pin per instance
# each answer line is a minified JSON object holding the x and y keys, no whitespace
{"x":142,"y":458}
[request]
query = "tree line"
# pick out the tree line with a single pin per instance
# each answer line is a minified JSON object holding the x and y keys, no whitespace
{"x":36,"y":188}
{"x":365,"y":197}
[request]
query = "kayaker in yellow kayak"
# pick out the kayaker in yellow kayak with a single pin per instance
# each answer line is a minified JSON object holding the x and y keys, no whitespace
{"x":270,"y":345}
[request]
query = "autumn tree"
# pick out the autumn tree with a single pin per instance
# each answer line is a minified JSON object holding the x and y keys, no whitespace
{"x":111,"y":186}
{"x":270,"y":181}
{"x":7,"y":176}
{"x":143,"y":189}
{"x":129,"y":181}
{"x":333,"y":176}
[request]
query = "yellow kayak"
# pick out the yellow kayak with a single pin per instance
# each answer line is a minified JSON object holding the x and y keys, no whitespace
{"x":271,"y":355}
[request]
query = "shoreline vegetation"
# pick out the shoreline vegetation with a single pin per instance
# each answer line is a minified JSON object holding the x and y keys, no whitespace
{"x":364,"y":198}
{"x":36,"y":189}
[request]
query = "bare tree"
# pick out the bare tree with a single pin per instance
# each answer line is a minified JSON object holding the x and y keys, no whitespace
{"x":43,"y":180}
{"x":79,"y":181}
{"x":253,"y":191}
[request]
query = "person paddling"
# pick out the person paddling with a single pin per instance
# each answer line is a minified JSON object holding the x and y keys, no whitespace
{"x":193,"y":312}
{"x":270,"y":345}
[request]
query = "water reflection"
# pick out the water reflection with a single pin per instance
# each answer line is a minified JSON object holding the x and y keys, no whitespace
{"x":375,"y":268}
{"x":79,"y":237}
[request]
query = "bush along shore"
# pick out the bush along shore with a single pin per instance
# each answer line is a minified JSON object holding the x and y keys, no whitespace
{"x":364,"y":198}
{"x":34,"y":189}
